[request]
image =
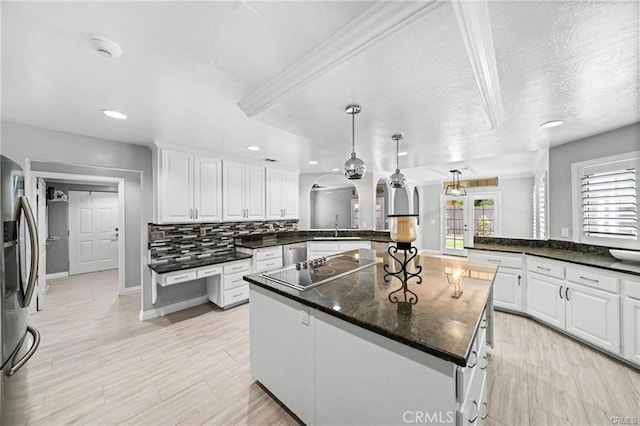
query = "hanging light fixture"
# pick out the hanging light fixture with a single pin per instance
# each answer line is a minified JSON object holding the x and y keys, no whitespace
{"x":354,"y":167}
{"x":454,"y":187}
{"x":397,"y":179}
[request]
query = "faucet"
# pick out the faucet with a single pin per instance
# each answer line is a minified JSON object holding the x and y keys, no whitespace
{"x":336,"y":233}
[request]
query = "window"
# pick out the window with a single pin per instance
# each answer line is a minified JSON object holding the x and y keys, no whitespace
{"x":539,"y":207}
{"x":607,"y":201}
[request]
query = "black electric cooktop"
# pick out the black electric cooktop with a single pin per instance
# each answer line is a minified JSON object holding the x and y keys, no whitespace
{"x":311,"y":273}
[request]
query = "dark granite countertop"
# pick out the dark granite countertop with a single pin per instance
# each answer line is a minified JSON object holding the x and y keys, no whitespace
{"x":438,"y":324}
{"x":163,"y":268}
{"x":276,"y":239}
{"x":580,"y":254}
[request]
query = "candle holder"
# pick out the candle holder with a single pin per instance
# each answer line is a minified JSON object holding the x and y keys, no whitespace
{"x":403,"y":232}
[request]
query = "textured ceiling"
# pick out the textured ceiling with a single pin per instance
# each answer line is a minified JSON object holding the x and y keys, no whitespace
{"x":186,"y":65}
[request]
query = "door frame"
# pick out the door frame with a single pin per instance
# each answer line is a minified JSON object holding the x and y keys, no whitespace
{"x":34,"y":174}
{"x":469,"y":223}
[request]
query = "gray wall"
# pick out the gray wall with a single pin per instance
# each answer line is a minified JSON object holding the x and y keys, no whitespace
{"x":109,"y":158}
{"x":515,"y":207}
{"x":58,"y":224}
{"x":619,"y":141}
{"x":325,"y":204}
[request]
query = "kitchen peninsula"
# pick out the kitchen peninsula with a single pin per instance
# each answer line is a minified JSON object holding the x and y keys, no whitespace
{"x":342,"y":353}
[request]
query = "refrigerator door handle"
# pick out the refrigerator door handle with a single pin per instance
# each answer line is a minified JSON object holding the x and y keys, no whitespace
{"x":36,"y":342}
{"x":23,"y":204}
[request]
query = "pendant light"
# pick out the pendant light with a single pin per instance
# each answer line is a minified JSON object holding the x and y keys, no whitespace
{"x":397,"y":179}
{"x":354,"y":167}
{"x":454,"y":187}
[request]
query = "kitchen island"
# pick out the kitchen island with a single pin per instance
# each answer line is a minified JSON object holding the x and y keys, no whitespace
{"x":342,"y":353}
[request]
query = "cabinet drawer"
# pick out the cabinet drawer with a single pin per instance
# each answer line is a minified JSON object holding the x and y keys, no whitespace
{"x":501,"y":259}
{"x":268,"y":253}
{"x":236,"y":295}
{"x":474,"y":408}
{"x":545,"y":268}
{"x":476,"y":365}
{"x":268,"y":264}
{"x":592,"y":278}
{"x":176,"y":277}
{"x":236,"y":267}
{"x":353,"y":245}
{"x":324,"y":246}
{"x":632,"y":288}
{"x":234,"y":280}
{"x":208,"y":272}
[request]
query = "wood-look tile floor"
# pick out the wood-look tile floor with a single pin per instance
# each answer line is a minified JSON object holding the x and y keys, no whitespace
{"x":98,"y":364}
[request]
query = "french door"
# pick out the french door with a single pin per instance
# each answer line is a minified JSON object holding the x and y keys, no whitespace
{"x":464,"y":217}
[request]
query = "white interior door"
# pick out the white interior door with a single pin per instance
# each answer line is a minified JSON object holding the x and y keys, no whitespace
{"x":43,"y":233}
{"x":93,"y":231}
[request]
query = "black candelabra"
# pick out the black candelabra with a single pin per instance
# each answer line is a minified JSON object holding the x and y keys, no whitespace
{"x":404,"y":297}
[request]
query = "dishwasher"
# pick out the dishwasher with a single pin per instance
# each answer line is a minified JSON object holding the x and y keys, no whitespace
{"x":292,"y":253}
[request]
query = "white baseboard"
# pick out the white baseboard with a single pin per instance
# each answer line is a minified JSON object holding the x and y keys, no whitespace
{"x":174,"y":307}
{"x":57,"y":275}
{"x":129,"y":290}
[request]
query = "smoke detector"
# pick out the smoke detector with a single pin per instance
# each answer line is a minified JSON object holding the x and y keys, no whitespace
{"x":106,"y":47}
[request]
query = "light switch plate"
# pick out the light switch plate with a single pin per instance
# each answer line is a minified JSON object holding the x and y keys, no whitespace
{"x":565,"y":232}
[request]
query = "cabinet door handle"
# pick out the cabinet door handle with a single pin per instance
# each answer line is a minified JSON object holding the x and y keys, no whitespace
{"x":475,"y":361}
{"x":519,"y":279}
{"x":474,"y":418}
{"x":494,"y":260}
{"x":190,"y":213}
{"x":182,"y":277}
{"x":486,"y":363}
{"x":566,"y":294}
{"x":486,"y":411}
{"x":237,"y":295}
{"x":196,"y":214}
{"x":543,"y":269}
{"x":560,"y":291}
{"x":483,"y":323}
{"x":591,"y":280}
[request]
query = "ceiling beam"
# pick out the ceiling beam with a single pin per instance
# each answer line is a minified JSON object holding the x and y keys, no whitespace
{"x":378,"y":22}
{"x":475,"y":26}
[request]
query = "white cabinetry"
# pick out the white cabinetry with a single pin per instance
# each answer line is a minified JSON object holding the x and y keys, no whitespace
{"x":631,"y":321}
{"x":585,"y":304}
{"x":281,"y":334}
{"x":282,"y":194}
{"x":232,"y":289}
{"x":189,"y":187}
{"x":317,"y":249}
{"x":508,"y":283}
{"x":264,"y":259}
{"x":243,"y":191}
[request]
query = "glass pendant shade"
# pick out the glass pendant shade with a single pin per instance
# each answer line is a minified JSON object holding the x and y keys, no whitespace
{"x":397,"y":179}
{"x":402,"y":227}
{"x":354,"y":168}
{"x":454,"y":187}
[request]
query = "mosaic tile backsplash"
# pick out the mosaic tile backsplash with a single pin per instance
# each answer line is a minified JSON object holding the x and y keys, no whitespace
{"x":183,"y":242}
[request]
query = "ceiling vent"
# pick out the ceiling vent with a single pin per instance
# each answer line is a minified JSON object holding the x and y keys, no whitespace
{"x":106,"y":47}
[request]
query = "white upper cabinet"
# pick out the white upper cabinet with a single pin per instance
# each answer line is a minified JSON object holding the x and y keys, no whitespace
{"x":282,"y":194}
{"x":243,"y":191}
{"x":189,"y":187}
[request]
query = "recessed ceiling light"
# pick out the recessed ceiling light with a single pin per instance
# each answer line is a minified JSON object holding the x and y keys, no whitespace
{"x":550,"y":124}
{"x":253,"y":148}
{"x":402,"y":153}
{"x":313,"y":162}
{"x":335,"y":170}
{"x":114,"y":114}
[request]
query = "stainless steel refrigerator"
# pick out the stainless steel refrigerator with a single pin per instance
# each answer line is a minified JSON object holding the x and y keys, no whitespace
{"x":18,"y":340}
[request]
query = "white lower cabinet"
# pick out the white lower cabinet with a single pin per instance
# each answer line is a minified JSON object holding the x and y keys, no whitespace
{"x":545,"y":300}
{"x":594,"y":316}
{"x":631,"y":321}
{"x":281,"y":338}
{"x":329,"y":371}
{"x":587,"y":312}
{"x":509,"y":282}
{"x":230,"y":289}
{"x":317,"y":249}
